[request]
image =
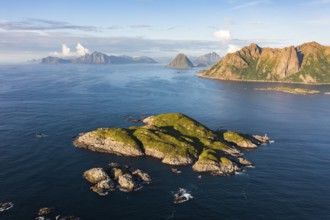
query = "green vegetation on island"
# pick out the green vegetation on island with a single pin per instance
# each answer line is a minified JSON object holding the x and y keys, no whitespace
{"x":176,"y":139}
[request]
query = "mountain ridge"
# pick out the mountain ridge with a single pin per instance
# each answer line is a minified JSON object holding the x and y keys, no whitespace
{"x":307,"y":63}
{"x":97,"y":58}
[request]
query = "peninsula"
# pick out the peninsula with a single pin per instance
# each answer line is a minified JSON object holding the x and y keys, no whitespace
{"x":175,"y":139}
{"x":308,"y":63}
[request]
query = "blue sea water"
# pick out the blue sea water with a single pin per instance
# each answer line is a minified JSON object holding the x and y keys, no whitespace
{"x":291,"y":178}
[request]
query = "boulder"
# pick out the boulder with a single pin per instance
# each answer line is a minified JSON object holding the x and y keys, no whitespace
{"x":116,"y":172}
{"x":103,"y":187}
{"x":45,"y":211}
{"x":127,"y":182}
{"x":142,"y":175}
{"x":95,"y":175}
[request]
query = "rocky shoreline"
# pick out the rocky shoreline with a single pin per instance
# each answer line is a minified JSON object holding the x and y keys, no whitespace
{"x":175,"y":139}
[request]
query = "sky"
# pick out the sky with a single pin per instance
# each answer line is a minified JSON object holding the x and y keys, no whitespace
{"x":157,"y":28}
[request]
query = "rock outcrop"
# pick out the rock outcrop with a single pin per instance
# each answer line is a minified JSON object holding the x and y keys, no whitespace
{"x":95,"y":175}
{"x":110,"y":140}
{"x":115,"y":176}
{"x":175,"y":139}
{"x":181,"y":61}
{"x":207,"y":59}
{"x":307,"y":63}
{"x":98,"y":58}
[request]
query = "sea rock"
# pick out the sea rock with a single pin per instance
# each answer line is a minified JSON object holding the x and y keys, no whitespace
{"x":95,"y":175}
{"x":238,"y":139}
{"x":45,"y":211}
{"x":182,"y":196}
{"x":262,"y":139}
{"x":146,"y":178}
{"x":116,"y":172}
{"x":4,"y":206}
{"x":103,"y":187}
{"x":127,"y":182}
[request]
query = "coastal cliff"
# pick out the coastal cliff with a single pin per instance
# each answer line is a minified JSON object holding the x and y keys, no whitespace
{"x":307,"y":63}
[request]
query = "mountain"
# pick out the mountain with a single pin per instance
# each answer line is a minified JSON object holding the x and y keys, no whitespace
{"x":98,"y":58}
{"x":207,"y":59}
{"x":54,"y":60}
{"x":307,"y":63}
{"x":181,"y":61}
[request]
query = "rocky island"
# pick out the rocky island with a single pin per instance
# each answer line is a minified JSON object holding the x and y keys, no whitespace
{"x":207,"y":59}
{"x":299,"y":91}
{"x":307,"y":63}
{"x":181,"y":61}
{"x":175,"y":139}
{"x":98,"y":58}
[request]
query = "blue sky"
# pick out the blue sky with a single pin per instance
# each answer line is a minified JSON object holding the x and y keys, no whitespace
{"x":156,"y":28}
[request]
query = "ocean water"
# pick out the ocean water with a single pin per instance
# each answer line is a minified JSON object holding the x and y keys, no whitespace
{"x":290,"y":180}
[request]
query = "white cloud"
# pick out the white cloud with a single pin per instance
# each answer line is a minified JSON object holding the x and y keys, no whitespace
{"x":233,"y":48}
{"x":81,"y":50}
{"x":66,"y":51}
{"x":223,"y":35}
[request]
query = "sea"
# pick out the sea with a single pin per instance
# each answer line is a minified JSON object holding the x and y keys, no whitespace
{"x":290,"y":178}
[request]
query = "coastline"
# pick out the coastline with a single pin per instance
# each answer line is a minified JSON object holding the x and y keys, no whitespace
{"x":259,"y":81}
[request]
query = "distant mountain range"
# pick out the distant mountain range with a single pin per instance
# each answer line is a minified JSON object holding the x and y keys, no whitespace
{"x":307,"y":63}
{"x":181,"y":61}
{"x":97,"y":58}
{"x":207,"y":59}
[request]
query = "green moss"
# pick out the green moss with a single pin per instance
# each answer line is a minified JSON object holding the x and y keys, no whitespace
{"x":225,"y":161}
{"x":118,"y":134}
{"x":183,"y":124}
{"x":164,"y":141}
{"x":208,"y":155}
{"x":234,"y":137}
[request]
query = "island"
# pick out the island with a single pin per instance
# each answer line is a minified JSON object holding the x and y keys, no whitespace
{"x":98,"y":58}
{"x":181,"y":61}
{"x":207,"y":59}
{"x":299,"y":91}
{"x":176,"y":139}
{"x":308,"y":63}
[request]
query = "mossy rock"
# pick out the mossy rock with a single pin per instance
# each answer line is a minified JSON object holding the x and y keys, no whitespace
{"x":183,"y":124}
{"x":119,"y":135}
{"x":238,"y":139}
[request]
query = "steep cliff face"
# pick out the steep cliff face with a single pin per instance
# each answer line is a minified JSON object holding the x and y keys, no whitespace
{"x":308,"y":63}
{"x":181,"y":61}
